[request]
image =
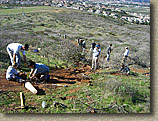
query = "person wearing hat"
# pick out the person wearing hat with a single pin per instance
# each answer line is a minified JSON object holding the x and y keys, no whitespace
{"x":108,"y":52}
{"x":13,"y":51}
{"x":96,"y":53}
{"x":39,"y":71}
{"x":12,"y":74}
{"x":125,"y":55}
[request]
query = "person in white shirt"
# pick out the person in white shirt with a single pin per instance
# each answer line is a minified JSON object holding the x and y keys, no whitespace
{"x":125,"y":55}
{"x":92,"y":48}
{"x":12,"y":74}
{"x":96,"y":53}
{"x":126,"y":52}
{"x":13,"y":51}
{"x":84,"y":46}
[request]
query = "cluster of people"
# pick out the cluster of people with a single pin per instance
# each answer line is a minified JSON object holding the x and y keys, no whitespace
{"x":95,"y":52}
{"x":39,"y":72}
{"x":82,"y":44}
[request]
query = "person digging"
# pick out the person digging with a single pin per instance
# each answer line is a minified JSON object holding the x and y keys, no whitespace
{"x":13,"y":51}
{"x":13,"y":75}
{"x":39,"y":72}
{"x":124,"y":69}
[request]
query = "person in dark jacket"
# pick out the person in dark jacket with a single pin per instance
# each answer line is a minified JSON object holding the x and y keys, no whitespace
{"x":38,"y":71}
{"x":108,"y":52}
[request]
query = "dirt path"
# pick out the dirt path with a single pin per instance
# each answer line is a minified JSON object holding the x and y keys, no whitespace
{"x":79,"y":75}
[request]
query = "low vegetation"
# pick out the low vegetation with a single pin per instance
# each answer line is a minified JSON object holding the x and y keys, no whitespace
{"x":45,"y":27}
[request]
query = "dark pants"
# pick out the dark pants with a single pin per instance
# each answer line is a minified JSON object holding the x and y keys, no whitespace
{"x":42,"y":76}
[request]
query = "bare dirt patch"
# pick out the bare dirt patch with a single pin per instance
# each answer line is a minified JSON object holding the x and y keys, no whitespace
{"x":63,"y":77}
{"x":139,"y":70}
{"x":69,"y":76}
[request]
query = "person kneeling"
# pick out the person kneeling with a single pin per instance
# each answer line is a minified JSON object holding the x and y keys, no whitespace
{"x":125,"y":69}
{"x":13,"y":75}
{"x":39,"y":72}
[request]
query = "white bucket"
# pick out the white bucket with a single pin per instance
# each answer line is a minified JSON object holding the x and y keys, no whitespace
{"x":30,"y":87}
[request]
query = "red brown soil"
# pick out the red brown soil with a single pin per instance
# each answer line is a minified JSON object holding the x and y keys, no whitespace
{"x":67,"y":77}
{"x":139,"y":70}
{"x":71,"y":97}
{"x":72,"y":91}
{"x":6,"y":85}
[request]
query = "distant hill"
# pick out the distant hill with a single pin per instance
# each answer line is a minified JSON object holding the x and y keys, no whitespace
{"x":146,"y":1}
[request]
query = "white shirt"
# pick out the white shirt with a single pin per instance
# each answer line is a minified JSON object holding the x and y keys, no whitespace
{"x":16,"y":47}
{"x":95,"y":52}
{"x":126,"y":52}
{"x":11,"y":72}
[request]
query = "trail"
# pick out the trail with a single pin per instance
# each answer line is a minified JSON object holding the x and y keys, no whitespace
{"x":62,"y":76}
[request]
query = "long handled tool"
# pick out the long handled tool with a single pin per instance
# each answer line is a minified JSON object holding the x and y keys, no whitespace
{"x":22,"y":100}
{"x":59,"y":85}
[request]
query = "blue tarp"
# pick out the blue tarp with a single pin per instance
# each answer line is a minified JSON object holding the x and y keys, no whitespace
{"x":35,"y":51}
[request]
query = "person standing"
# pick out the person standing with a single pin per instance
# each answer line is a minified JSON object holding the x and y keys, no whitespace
{"x":80,"y":43}
{"x":13,"y":51}
{"x":93,"y":45}
{"x":99,"y":49}
{"x":38,"y":71}
{"x":95,"y":57}
{"x":108,"y":52}
{"x":92,"y":48}
{"x":125,"y":55}
{"x":84,"y":46}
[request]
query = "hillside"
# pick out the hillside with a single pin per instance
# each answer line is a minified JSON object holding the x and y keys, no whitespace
{"x":36,"y":28}
{"x":45,"y":28}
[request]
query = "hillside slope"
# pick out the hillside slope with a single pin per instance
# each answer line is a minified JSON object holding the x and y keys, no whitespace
{"x":102,"y":91}
{"x":46,"y":28}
